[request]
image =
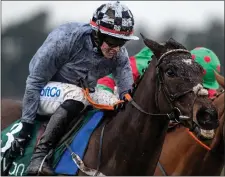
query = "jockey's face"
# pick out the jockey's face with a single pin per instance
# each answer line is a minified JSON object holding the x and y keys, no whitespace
{"x":111,"y":46}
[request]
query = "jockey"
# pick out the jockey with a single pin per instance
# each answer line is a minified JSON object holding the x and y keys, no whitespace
{"x":210,"y":63}
{"x":72,"y":53}
{"x":138,"y":62}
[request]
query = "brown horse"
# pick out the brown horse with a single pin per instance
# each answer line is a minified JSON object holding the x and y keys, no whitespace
{"x":133,"y":139}
{"x":183,"y":154}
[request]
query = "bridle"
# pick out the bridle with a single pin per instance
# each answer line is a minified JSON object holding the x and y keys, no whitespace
{"x":175,"y":114}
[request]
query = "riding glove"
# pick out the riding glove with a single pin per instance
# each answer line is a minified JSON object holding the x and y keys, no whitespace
{"x":20,"y":142}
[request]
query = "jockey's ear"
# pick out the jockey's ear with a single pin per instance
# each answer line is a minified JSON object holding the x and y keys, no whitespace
{"x":157,"y":49}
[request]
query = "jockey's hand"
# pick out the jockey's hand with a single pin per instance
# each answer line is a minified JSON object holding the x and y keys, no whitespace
{"x":18,"y":146}
{"x":20,"y":142}
{"x":119,"y":106}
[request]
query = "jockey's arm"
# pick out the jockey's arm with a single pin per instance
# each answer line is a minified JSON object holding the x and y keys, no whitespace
{"x":108,"y":83}
{"x":123,"y":74}
{"x":44,"y":64}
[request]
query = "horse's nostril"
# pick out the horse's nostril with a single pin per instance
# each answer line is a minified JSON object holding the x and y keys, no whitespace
{"x":207,"y":118}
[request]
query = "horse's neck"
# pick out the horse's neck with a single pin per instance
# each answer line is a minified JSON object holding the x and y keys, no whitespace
{"x":191,"y":155}
{"x":219,"y":103}
{"x":136,"y":138}
{"x":217,"y":143}
{"x":213,"y":162}
{"x":171,"y":153}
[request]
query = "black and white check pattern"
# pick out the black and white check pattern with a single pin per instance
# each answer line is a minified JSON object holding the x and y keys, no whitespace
{"x":116,"y":17}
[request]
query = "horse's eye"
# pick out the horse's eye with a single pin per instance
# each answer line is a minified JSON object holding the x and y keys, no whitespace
{"x":170,"y":73}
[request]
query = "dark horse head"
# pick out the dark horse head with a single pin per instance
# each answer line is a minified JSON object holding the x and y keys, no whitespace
{"x":180,"y":82}
{"x":133,"y":139}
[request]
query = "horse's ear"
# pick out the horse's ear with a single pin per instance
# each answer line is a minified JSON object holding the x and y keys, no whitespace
{"x":156,"y":48}
{"x":220,"y":79}
{"x":173,"y":44}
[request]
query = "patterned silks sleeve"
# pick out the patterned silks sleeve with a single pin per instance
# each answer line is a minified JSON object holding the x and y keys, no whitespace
{"x":44,"y":64}
{"x":123,"y":73}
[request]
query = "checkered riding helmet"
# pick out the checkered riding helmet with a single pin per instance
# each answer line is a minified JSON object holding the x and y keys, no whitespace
{"x":114,"y":19}
{"x":210,"y":63}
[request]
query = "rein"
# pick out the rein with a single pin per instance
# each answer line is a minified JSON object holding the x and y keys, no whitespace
{"x":99,"y":106}
{"x":171,"y":115}
{"x":198,"y":141}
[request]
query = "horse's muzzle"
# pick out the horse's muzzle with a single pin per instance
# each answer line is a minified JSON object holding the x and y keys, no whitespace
{"x":207,"y":118}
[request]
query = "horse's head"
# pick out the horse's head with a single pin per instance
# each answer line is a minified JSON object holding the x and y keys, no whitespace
{"x":180,"y":83}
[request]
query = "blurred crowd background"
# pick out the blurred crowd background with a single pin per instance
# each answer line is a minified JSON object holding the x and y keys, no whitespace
{"x":25,"y":26}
